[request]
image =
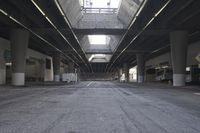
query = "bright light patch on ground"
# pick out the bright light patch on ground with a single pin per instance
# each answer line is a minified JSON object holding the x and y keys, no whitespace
{"x":102,"y":3}
{"x":97,"y":39}
{"x":197,"y":94}
{"x":99,"y":56}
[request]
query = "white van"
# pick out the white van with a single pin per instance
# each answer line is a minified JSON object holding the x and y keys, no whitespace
{"x":164,"y":74}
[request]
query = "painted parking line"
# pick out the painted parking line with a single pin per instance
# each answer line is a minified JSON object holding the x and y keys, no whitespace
{"x":89,"y":84}
{"x":197,"y":94}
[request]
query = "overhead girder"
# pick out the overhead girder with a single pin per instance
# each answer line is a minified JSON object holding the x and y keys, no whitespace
{"x":175,"y":12}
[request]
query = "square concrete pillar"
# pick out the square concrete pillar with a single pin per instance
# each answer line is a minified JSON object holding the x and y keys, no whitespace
{"x":179,"y":43}
{"x":19,"y":39}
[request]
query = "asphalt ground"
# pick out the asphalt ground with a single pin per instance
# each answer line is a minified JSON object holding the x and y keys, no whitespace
{"x":99,"y":107}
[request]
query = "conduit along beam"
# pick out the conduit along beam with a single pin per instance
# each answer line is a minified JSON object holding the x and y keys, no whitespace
{"x":143,"y":29}
{"x":68,"y":23}
{"x":129,"y":27}
{"x":47,"y":18}
{"x":41,"y":38}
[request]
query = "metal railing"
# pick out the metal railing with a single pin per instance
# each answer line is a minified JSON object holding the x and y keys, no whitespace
{"x":99,"y":10}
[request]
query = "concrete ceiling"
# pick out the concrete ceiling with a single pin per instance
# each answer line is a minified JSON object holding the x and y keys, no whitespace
{"x":127,"y":10}
{"x":154,"y":39}
{"x":79,"y":20}
{"x":96,"y":21}
{"x":99,"y":21}
{"x":72,"y":9}
{"x":107,"y":49}
{"x":100,"y":49}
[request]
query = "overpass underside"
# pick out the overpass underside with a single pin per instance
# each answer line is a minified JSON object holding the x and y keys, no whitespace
{"x":99,"y":66}
{"x":74,"y":40}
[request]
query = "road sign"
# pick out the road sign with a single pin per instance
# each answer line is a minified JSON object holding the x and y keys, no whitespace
{"x":198,"y":57}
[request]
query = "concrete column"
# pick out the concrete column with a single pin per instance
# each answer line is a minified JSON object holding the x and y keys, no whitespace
{"x":140,"y":67}
{"x":119,"y":74}
{"x":19,"y":39}
{"x":2,"y":66}
{"x":179,"y":42}
{"x":65,"y":69}
{"x":56,"y":66}
{"x":78,"y":74}
{"x":126,"y":71}
{"x":71,"y":67}
{"x":2,"y":72}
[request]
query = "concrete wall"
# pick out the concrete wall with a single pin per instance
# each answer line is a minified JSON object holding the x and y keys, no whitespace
{"x":114,"y":41}
{"x":72,"y":9}
{"x":4,"y":44}
{"x":96,"y":76}
{"x":63,"y":68}
{"x":96,"y":20}
{"x":99,"y":49}
{"x":48,"y":73}
{"x":31,"y":54}
{"x":159,"y":59}
{"x":84,"y":42}
{"x":127,"y":10}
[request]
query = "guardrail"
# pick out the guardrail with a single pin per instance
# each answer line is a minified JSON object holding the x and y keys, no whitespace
{"x":99,"y":10}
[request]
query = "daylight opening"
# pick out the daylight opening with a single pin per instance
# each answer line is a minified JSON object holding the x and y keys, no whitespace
{"x":98,"y":39}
